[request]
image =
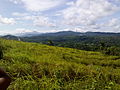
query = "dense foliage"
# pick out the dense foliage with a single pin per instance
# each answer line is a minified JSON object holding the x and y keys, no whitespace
{"x":35,"y":66}
{"x":109,"y":45}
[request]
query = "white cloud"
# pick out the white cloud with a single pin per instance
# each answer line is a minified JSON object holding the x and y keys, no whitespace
{"x":22,"y":30}
{"x":25,"y":30}
{"x":19,"y":14}
{"x":87,"y":12}
{"x":38,"y":5}
{"x":2,"y":32}
{"x":16,"y":31}
{"x":115,"y":1}
{"x":70,"y":3}
{"x":112,"y":24}
{"x":4,"y":20}
{"x":37,"y":20}
{"x":43,"y":21}
{"x":89,"y":15}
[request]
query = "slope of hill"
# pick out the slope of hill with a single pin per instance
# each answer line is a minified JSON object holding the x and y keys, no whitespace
{"x":35,"y":66}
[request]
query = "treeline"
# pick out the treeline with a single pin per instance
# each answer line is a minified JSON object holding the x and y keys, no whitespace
{"x":99,"y":46}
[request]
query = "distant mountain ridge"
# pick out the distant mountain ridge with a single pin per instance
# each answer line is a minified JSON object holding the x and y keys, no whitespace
{"x":66,"y":33}
{"x":11,"y":37}
{"x":38,"y":37}
{"x":102,"y":33}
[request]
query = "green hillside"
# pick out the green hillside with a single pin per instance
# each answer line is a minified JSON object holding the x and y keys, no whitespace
{"x":35,"y":66}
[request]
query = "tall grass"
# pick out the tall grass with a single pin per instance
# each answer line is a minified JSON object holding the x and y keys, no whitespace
{"x":40,"y":67}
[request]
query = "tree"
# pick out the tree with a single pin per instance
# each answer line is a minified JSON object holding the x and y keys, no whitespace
{"x":1,"y":53}
{"x":50,"y":43}
{"x":112,"y":51}
{"x":102,"y":46}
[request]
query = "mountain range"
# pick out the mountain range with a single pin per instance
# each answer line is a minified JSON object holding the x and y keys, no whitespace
{"x":64,"y":33}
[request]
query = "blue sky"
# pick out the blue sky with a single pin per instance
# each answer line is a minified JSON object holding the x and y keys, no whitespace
{"x":19,"y":16}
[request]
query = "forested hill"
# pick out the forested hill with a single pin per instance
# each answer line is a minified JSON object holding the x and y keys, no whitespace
{"x":35,"y":66}
{"x":70,"y":36}
{"x":108,"y":43}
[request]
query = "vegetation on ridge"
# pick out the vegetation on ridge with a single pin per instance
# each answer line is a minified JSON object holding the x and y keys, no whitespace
{"x":35,"y":66}
{"x":107,"y":43}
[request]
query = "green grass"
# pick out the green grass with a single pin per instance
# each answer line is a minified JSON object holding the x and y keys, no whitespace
{"x":35,"y":66}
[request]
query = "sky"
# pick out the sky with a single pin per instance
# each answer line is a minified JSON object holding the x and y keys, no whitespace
{"x":19,"y":16}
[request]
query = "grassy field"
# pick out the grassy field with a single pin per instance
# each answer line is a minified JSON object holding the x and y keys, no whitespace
{"x":35,"y":66}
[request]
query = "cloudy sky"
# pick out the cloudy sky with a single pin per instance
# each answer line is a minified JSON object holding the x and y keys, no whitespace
{"x":56,"y":15}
